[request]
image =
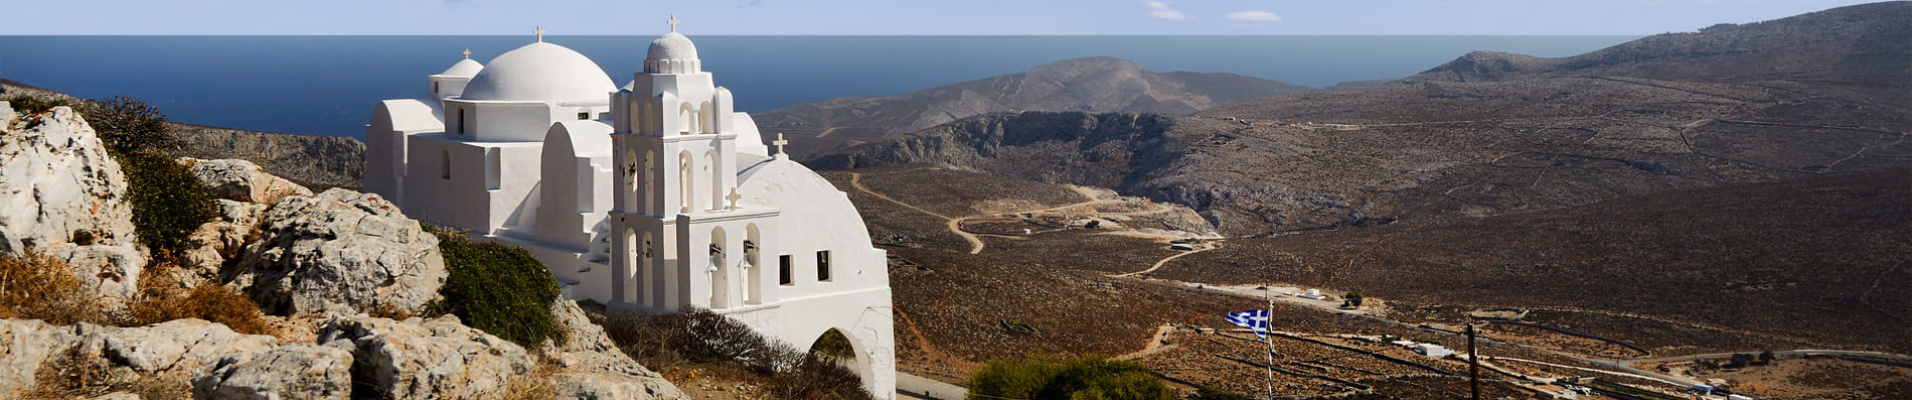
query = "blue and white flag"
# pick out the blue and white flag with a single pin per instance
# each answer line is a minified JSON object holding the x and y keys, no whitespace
{"x":1254,"y":320}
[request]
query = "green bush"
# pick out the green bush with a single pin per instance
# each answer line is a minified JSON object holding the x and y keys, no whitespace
{"x":1084,"y":378}
{"x":31,"y":105}
{"x":128,"y":125}
{"x":498,"y":289}
{"x":169,"y":203}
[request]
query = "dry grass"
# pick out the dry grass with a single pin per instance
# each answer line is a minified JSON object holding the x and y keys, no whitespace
{"x":39,"y":287}
{"x":540,"y":384}
{"x":162,"y":300}
{"x":75,"y":374}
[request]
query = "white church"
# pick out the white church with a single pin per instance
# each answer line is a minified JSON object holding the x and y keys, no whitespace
{"x":655,"y":196}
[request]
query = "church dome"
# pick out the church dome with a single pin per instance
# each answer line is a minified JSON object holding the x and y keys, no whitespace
{"x":672,"y":46}
{"x":541,"y":72}
{"x":463,"y":69}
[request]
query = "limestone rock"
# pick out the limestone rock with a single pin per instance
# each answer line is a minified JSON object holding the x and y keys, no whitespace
{"x":242,"y":180}
{"x":65,"y":197}
{"x":217,"y":242}
{"x":24,"y":346}
{"x":185,"y":345}
{"x":594,"y":367}
{"x":427,"y":359}
{"x":340,"y":251}
{"x":297,"y":371}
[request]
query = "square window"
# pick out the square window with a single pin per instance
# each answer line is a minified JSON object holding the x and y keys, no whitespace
{"x":823,"y":266}
{"x":783,"y":271}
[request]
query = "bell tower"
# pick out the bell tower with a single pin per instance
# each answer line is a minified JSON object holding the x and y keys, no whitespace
{"x":675,"y":152}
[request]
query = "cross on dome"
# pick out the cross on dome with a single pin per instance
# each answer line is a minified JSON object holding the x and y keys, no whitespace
{"x":673,"y":21}
{"x":540,"y":33}
{"x":467,"y":54}
{"x":780,"y":142}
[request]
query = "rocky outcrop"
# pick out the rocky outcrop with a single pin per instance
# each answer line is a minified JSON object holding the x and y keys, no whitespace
{"x":179,"y":348}
{"x":63,"y":196}
{"x":241,"y":180}
{"x":25,"y":346}
{"x":217,"y":242}
{"x":311,"y":160}
{"x":594,"y":368}
{"x":427,"y":359}
{"x":297,"y":371}
{"x":341,"y":251}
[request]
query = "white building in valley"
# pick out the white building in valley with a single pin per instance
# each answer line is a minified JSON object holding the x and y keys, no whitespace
{"x":655,"y":196}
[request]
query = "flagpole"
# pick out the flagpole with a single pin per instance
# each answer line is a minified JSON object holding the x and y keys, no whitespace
{"x":1270,"y":338}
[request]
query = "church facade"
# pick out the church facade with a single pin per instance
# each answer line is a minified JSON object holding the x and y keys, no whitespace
{"x":655,"y":196}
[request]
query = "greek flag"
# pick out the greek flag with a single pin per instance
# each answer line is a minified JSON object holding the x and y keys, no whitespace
{"x":1255,"y":320}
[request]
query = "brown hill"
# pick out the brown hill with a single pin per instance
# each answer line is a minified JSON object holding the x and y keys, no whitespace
{"x":1483,"y":135}
{"x":1855,"y":44}
{"x":1099,"y":84}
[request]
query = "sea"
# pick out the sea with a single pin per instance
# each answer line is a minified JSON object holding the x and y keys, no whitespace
{"x":327,"y":85}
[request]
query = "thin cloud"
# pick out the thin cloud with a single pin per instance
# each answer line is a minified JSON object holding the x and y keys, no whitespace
{"x":1160,"y":10}
{"x":1254,"y":16}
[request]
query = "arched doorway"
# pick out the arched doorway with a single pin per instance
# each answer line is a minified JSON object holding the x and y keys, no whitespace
{"x":839,"y":347}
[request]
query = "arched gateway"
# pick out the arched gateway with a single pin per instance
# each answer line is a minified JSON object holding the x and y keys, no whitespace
{"x":683,"y":207}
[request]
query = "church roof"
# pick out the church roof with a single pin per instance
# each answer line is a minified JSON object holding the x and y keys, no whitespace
{"x":465,"y":68}
{"x":541,"y":72}
{"x":672,"y":46}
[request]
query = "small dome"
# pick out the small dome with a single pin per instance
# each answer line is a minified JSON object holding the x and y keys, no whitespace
{"x":463,"y":69}
{"x":541,"y":72}
{"x":672,"y":46}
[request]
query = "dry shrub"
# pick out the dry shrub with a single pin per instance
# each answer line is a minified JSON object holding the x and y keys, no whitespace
{"x":162,"y":299}
{"x":537,"y":385}
{"x":704,"y":341}
{"x":39,"y":287}
{"x":209,"y":302}
{"x":76,"y":374}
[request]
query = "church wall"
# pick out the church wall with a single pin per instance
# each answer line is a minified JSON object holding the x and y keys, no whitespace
{"x":573,"y":186}
{"x":865,"y":316}
{"x":510,"y":122}
{"x":464,"y":196}
{"x":816,"y":217}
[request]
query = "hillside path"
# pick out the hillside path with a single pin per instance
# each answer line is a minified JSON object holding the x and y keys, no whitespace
{"x":955,"y":225}
{"x":1205,"y":246}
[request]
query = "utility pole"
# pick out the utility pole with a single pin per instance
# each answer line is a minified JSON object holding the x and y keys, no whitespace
{"x":1473,"y":360}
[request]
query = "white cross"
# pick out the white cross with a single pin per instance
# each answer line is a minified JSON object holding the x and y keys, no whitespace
{"x":673,"y":21}
{"x":780,"y":142}
{"x":733,"y":197}
{"x":540,"y":33}
{"x":467,"y":54}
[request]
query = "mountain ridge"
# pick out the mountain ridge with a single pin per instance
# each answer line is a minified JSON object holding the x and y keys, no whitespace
{"x":1101,"y":84}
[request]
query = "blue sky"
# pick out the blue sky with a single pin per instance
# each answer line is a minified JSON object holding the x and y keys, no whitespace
{"x":890,"y":17}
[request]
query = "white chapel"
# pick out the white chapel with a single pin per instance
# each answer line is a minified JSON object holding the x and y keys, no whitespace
{"x":655,"y":196}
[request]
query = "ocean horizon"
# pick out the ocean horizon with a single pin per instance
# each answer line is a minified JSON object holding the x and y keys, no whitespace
{"x":327,"y":85}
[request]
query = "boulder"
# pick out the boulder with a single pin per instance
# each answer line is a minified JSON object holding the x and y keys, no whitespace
{"x":178,"y":346}
{"x":241,"y":180}
{"x":24,"y":347}
{"x":297,"y":371}
{"x":341,"y":251}
{"x":65,"y":197}
{"x":217,"y":242}
{"x":594,"y":368}
{"x":418,"y":358}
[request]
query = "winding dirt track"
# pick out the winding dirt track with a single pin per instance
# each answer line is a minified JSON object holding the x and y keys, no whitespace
{"x":955,"y":224}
